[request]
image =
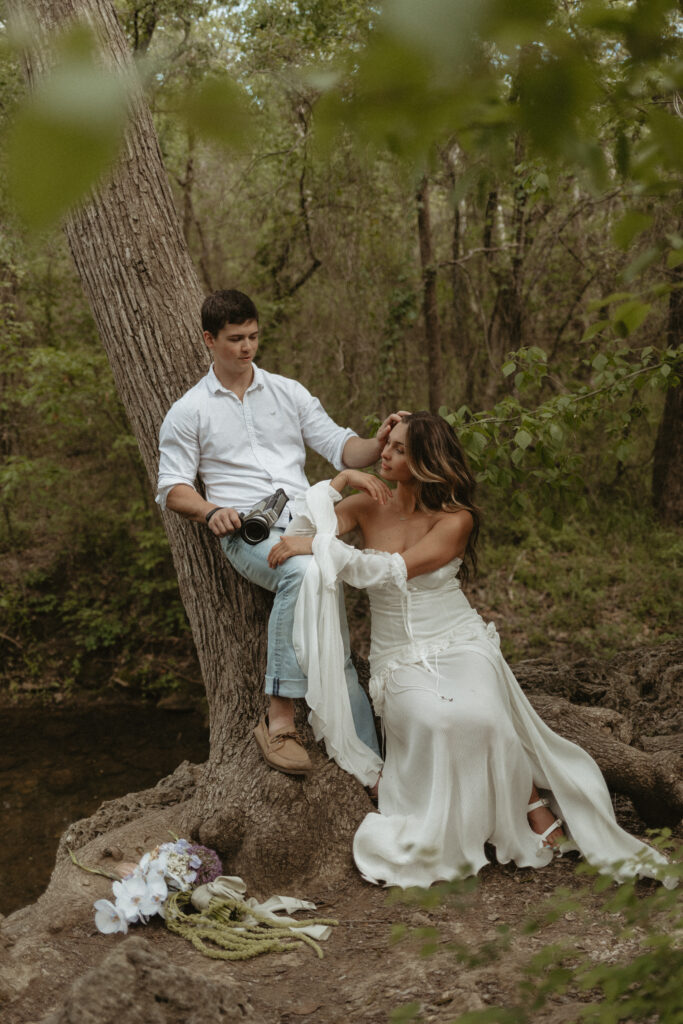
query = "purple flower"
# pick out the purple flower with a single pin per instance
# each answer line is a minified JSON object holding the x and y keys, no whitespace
{"x":210,"y":864}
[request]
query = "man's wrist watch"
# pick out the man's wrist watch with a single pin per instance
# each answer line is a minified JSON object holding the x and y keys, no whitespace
{"x":216,"y":509}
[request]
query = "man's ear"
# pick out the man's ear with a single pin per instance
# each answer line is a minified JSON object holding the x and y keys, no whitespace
{"x":209,"y":339}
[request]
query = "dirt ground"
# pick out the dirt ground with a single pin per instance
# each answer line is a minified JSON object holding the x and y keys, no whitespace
{"x":365,"y":975}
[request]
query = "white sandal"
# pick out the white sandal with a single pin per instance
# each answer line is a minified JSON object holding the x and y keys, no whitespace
{"x":543,"y":837}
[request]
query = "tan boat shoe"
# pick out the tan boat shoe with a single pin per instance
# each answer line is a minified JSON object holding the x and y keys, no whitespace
{"x":283,"y":750}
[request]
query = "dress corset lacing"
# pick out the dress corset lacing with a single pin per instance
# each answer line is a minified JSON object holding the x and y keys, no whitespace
{"x":420,"y":635}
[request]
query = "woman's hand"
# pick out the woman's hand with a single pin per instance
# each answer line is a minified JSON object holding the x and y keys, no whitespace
{"x":288,"y":546}
{"x":371,"y":485}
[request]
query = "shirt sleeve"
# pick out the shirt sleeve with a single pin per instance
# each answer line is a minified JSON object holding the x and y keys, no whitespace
{"x":319,"y":430}
{"x":178,"y":451}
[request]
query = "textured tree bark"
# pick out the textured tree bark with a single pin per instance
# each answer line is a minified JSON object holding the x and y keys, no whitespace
{"x":667,"y":469}
{"x":429,"y":303}
{"x":129,"y":250}
{"x":462,"y":343}
{"x":652,"y":781}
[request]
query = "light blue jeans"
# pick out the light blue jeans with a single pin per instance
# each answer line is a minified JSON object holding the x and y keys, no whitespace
{"x":284,"y":677}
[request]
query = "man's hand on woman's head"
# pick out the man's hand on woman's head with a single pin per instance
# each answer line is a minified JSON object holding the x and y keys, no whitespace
{"x":389,"y":424}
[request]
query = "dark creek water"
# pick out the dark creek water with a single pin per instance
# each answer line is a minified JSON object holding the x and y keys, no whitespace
{"x":57,"y":765}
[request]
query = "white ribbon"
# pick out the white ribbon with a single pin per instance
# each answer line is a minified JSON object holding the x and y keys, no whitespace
{"x":233,"y":887}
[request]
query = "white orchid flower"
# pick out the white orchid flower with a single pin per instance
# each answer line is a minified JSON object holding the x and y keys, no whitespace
{"x":157,"y":894}
{"x":132,"y":897}
{"x":144,"y":863}
{"x":157,"y":889}
{"x":108,"y":918}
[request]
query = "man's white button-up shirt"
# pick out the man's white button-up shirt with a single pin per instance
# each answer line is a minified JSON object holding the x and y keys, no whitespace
{"x":244,"y":450}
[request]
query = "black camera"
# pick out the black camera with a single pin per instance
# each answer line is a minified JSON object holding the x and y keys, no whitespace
{"x":257,"y":523}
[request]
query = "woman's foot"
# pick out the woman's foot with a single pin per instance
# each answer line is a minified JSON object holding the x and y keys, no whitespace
{"x":544,"y":823}
{"x":373,"y":791}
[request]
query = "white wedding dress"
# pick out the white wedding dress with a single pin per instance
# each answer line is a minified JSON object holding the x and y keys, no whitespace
{"x":463,"y":743}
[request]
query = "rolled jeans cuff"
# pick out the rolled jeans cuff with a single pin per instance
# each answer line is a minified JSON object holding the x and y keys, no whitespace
{"x":276,"y":687}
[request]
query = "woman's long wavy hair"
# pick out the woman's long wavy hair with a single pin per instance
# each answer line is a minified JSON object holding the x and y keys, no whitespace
{"x":443,"y":480}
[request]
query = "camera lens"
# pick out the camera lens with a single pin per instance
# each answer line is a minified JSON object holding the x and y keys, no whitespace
{"x":254,"y":531}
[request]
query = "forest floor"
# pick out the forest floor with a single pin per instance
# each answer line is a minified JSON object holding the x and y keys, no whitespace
{"x":365,"y":976}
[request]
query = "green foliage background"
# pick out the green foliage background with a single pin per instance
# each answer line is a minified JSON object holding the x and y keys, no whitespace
{"x":295,"y":136}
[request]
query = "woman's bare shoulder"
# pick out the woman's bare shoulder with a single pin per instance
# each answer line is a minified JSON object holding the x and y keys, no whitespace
{"x":459,"y":520}
{"x":357,"y":502}
{"x":352,"y":511}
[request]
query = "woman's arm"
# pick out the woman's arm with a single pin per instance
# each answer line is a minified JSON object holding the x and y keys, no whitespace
{"x":350,"y":509}
{"x":348,"y":513}
{"x":446,"y":540}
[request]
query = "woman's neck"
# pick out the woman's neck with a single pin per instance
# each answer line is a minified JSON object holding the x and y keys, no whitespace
{"x":404,"y":499}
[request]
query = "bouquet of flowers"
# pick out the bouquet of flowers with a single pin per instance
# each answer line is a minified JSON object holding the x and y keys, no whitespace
{"x":143,"y":892}
{"x":183,"y":883}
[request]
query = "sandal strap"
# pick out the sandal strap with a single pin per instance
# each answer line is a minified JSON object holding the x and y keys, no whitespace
{"x":537,"y":803}
{"x":551,"y":828}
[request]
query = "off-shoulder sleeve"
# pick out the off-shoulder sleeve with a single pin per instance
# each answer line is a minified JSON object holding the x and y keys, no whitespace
{"x":318,"y":641}
{"x":338,"y":560}
{"x":314,"y":514}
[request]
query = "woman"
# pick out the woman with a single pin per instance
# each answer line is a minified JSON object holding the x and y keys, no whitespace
{"x":465,"y":752}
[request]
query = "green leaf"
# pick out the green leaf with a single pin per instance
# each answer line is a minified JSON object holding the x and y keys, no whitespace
{"x":509,"y":368}
{"x":667,"y":131}
{"x":64,"y":138}
{"x":218,"y":110}
{"x":600,"y":362}
{"x":441,"y":28}
{"x":630,"y":225}
{"x":630,"y":315}
{"x":608,"y":299}
{"x":523,"y":438}
{"x":639,"y":264}
{"x":674,"y":258}
{"x":405,"y":1014}
{"x":622,"y":154}
{"x":622,"y":451}
{"x":596,"y":328}
{"x":477,"y":442}
{"x":553,"y":91}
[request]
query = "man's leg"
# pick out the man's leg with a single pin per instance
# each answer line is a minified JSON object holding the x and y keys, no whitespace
{"x":284,"y":678}
{"x":285,"y":681}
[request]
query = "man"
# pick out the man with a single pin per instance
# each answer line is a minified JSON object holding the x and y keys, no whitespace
{"x":243,"y":431}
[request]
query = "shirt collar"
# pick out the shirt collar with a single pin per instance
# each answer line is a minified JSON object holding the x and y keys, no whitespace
{"x":215,"y":385}
{"x":259,"y":379}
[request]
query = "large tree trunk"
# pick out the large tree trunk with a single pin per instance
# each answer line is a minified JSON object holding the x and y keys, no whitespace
{"x":429,"y":301}
{"x":667,"y":469}
{"x":129,"y":249}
